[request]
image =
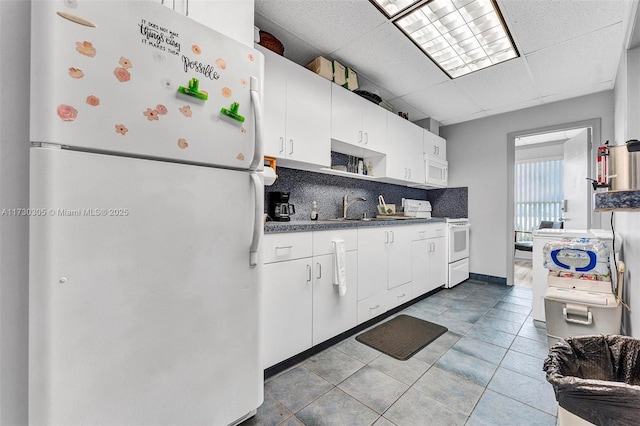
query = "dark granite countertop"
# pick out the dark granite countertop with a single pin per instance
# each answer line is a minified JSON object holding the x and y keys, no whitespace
{"x":617,"y":200}
{"x":323,"y":225}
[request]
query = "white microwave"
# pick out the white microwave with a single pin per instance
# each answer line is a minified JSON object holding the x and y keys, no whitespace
{"x":436,"y":171}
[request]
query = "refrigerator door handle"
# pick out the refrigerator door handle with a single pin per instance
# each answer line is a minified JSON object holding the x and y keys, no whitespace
{"x":258,"y":160}
{"x":258,"y":188}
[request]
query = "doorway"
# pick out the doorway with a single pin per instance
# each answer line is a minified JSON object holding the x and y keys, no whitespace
{"x":563,"y":153}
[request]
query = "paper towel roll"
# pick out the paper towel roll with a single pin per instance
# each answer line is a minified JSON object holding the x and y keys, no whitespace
{"x":269,"y":176}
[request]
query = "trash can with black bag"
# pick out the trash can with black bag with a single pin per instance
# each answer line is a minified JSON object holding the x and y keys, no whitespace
{"x":596,"y":378}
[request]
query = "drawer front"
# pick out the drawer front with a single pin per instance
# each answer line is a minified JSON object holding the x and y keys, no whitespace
{"x":286,"y":246}
{"x":399,"y":295}
{"x":322,"y":240}
{"x":372,"y":306}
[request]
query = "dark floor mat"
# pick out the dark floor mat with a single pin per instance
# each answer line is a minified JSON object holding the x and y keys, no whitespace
{"x":402,"y":336}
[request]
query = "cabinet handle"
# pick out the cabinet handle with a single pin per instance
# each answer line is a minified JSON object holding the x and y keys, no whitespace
{"x":374,"y":307}
{"x":435,"y":150}
{"x":319,"y":270}
{"x":366,"y":138}
{"x":393,"y":237}
{"x":187,"y":14}
{"x":282,"y":144}
{"x":308,"y":273}
{"x":283,"y":247}
{"x":359,"y":136}
{"x":291,"y":142}
{"x":402,"y":295}
{"x":386,"y":237}
{"x":409,"y":174}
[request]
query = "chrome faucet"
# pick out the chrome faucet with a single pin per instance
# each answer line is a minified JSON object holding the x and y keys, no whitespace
{"x":346,"y":203}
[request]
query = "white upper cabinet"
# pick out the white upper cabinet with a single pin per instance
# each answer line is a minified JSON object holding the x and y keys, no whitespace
{"x":404,"y":149}
{"x":435,"y":147}
{"x":233,"y":18}
{"x":297,"y":113}
{"x":357,"y":121}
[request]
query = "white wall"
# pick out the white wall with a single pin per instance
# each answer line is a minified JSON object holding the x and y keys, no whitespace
{"x":14,"y":193}
{"x":479,"y":159}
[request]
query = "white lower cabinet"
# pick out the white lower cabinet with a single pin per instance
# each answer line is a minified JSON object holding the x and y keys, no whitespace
{"x":332,"y":313}
{"x":373,"y":306}
{"x":428,"y":259}
{"x":385,"y":267}
{"x":286,"y":309}
{"x":399,"y":295}
{"x":287,"y":296}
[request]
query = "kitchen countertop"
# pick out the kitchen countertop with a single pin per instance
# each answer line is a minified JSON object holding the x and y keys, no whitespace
{"x":323,"y":225}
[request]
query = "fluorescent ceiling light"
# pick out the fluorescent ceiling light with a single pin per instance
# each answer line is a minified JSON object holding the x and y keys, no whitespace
{"x":393,"y":7}
{"x":460,"y":36}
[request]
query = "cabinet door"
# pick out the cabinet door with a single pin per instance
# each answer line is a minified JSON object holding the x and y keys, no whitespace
{"x":437,"y":263}
{"x":420,"y":273}
{"x":286,"y":308}
{"x":374,"y":125}
{"x":233,"y":18}
{"x":346,"y":116}
{"x":308,"y":117}
{"x":372,"y":261}
{"x":434,"y":145}
{"x":404,"y":149}
{"x":399,"y":260}
{"x":275,"y":80}
{"x":332,"y":313}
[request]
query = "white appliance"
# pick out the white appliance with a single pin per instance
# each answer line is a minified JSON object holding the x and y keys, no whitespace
{"x":436,"y":171}
{"x":420,"y":209}
{"x":457,"y":250}
{"x":540,"y":273}
{"x":145,"y":273}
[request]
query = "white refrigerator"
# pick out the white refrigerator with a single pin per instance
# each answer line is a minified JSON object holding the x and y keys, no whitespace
{"x":146,"y":204}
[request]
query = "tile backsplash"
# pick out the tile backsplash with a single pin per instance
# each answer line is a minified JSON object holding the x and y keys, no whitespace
{"x":327,"y":190}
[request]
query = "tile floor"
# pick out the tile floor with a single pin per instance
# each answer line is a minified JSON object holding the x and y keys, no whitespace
{"x":486,"y":370}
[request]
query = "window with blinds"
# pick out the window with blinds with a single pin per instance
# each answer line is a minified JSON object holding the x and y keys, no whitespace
{"x":539,"y":191}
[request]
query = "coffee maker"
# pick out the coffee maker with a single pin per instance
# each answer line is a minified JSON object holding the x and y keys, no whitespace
{"x":279,"y":208}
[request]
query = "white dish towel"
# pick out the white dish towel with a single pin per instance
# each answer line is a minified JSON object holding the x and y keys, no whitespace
{"x":340,"y":266}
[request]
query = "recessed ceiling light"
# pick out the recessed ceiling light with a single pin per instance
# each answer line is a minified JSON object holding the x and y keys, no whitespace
{"x":460,"y":36}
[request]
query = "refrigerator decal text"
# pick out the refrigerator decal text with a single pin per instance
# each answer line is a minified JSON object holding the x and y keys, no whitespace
{"x":204,"y":69}
{"x":159,"y":37}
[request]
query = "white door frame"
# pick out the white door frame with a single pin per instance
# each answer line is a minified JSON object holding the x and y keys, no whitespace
{"x":593,"y":219}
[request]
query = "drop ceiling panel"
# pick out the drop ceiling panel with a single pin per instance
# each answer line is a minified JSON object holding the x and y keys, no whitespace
{"x":442,"y":102}
{"x":540,"y":24}
{"x":577,"y":93}
{"x":514,"y":106}
{"x":326,"y":25}
{"x":507,"y":83}
{"x":389,"y":58}
{"x":579,"y":63}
